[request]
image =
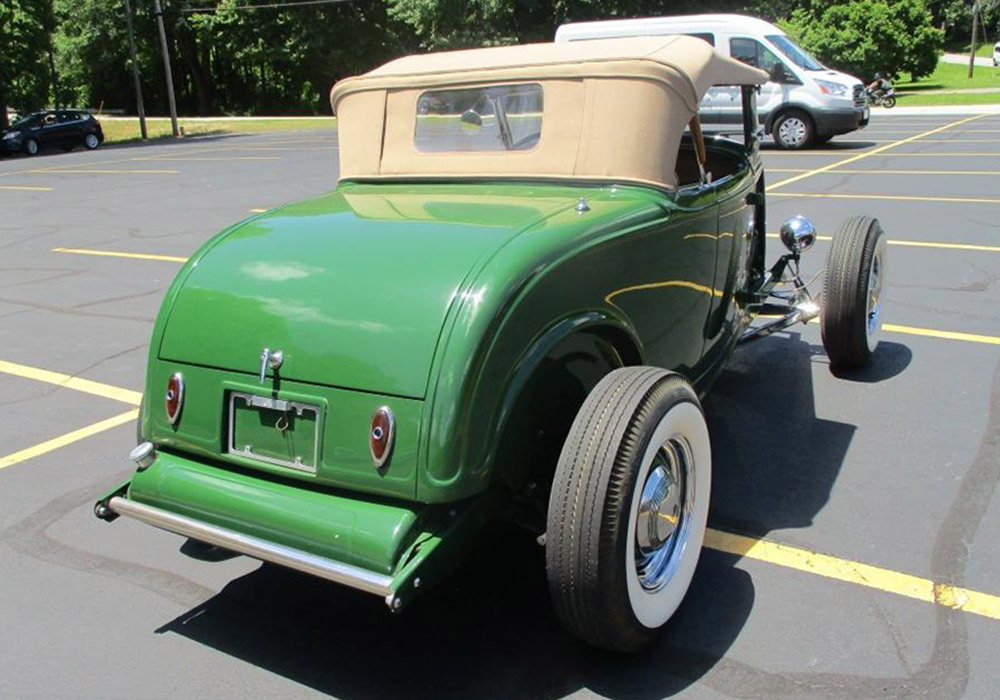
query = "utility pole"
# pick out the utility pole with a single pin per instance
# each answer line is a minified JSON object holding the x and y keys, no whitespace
{"x":135,"y":71}
{"x":166,"y":67}
{"x":975,"y":32}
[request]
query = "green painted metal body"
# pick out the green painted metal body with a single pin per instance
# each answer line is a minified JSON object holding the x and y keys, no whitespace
{"x":472,"y":309}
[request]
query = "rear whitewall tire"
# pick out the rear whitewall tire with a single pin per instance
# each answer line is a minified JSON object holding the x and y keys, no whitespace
{"x":653,"y":608}
{"x":636,"y":464}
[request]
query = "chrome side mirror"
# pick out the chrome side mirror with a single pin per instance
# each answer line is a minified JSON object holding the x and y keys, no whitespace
{"x":798,"y":234}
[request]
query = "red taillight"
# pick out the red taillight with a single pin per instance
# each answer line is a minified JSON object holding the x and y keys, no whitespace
{"x":381,"y":436}
{"x":174,"y":399}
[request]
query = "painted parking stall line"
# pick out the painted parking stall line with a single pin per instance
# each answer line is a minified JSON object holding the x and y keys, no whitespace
{"x":69,"y":381}
{"x":825,"y":238}
{"x":873,"y":152}
{"x":119,"y":254}
{"x":856,"y":573}
{"x":892,"y":197}
{"x":25,"y":188}
{"x":68,"y":439}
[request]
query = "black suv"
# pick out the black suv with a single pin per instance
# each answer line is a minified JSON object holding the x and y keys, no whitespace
{"x":64,"y":128}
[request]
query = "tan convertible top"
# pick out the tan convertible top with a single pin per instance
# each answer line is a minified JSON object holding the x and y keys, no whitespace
{"x":613,"y":108}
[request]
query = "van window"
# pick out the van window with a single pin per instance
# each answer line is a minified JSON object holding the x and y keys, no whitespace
{"x":710,"y":38}
{"x":753,"y":53}
{"x":795,"y":53}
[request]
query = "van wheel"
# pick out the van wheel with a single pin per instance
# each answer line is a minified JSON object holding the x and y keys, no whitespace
{"x":628,"y":508}
{"x":793,"y":130}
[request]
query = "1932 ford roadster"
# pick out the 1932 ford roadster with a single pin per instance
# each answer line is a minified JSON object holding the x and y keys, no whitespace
{"x":532,"y":267}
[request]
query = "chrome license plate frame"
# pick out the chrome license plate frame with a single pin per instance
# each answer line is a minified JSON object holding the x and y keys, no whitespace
{"x":250,"y":401}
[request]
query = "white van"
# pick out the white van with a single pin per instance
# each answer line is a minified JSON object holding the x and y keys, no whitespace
{"x":805,"y":102}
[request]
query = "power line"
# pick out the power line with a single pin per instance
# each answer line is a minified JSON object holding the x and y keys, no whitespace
{"x":242,"y":8}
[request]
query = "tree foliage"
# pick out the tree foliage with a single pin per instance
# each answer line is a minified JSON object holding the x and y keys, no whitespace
{"x":25,"y":30}
{"x":229,"y":59}
{"x":863,"y":37}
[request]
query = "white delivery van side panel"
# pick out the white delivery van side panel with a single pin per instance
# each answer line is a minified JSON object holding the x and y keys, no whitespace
{"x":806,"y":102}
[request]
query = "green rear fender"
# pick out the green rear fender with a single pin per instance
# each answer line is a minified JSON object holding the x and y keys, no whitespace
{"x":525,"y":347}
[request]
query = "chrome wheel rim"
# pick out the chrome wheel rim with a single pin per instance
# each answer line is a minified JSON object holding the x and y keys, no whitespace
{"x":792,"y":131}
{"x":32,"y":147}
{"x":90,"y":140}
{"x":663,"y":521}
{"x":874,"y":297}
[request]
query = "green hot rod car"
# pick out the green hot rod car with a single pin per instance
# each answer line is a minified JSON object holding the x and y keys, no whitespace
{"x":531,"y":268}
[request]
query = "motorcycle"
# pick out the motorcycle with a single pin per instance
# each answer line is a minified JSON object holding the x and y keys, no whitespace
{"x":882,"y":98}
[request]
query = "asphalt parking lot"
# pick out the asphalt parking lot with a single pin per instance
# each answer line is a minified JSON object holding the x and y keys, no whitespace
{"x":854,"y":550}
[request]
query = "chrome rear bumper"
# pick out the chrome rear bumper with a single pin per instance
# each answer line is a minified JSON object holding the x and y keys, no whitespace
{"x":296,"y":559}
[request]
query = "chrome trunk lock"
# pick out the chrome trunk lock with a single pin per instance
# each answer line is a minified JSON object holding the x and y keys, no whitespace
{"x":270,"y":359}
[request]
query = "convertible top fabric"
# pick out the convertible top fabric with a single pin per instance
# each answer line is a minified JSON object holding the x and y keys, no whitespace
{"x":613,"y":108}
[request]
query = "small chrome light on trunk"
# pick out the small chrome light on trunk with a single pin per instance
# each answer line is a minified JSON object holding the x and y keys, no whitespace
{"x":382,"y":436}
{"x":174,"y":398}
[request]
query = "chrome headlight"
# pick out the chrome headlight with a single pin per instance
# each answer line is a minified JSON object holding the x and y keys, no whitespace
{"x":829,"y":88}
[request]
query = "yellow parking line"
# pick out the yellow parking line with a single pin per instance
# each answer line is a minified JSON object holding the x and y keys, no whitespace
{"x":949,"y":154}
{"x":889,"y":172}
{"x":70,"y":382}
{"x":952,"y":246}
{"x":945,"y":335}
{"x":957,"y":139}
{"x":923,"y":244}
{"x":207,"y":158}
{"x":115,"y":254}
{"x":867,"y":154}
{"x":898,"y":197}
{"x":105,"y":172}
{"x":857,"y":573}
{"x":825,"y":152}
{"x":68,"y":438}
{"x":25,"y":188}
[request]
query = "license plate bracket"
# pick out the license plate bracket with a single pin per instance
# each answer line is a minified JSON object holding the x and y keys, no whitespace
{"x":274,"y":431}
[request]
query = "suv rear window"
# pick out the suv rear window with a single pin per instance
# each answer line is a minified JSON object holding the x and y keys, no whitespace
{"x":491,"y":118}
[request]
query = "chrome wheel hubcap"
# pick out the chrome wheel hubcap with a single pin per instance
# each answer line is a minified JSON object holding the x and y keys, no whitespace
{"x":792,"y":131}
{"x":874,"y":307}
{"x":663,"y":521}
{"x":91,"y":141}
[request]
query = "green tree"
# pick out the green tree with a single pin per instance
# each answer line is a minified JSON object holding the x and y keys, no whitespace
{"x":25,"y":77}
{"x":862,"y":37}
{"x":455,"y":24}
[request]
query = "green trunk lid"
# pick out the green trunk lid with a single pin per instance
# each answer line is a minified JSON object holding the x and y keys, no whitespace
{"x":353,"y":287}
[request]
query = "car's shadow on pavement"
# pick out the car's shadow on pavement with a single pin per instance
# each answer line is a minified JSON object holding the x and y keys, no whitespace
{"x":489,"y":631}
{"x":774,"y":460}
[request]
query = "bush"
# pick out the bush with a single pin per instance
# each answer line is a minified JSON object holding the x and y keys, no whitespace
{"x":863,"y":37}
